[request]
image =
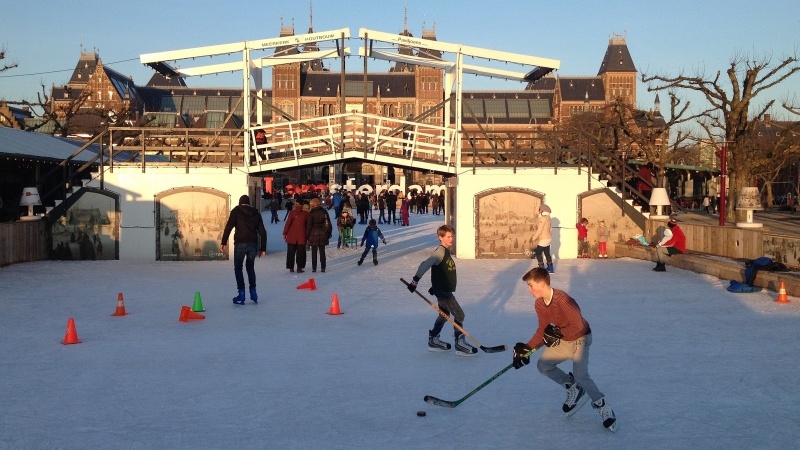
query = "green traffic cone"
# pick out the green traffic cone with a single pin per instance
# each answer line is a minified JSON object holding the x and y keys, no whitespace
{"x":198,"y":303}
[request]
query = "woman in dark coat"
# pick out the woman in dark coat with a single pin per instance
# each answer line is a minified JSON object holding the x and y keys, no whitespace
{"x":318,"y":233}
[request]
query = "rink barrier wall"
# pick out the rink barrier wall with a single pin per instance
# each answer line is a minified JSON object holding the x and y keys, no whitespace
{"x":718,"y":266}
{"x":22,"y":241}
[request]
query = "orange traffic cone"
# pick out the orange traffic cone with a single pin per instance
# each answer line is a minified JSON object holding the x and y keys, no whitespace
{"x":782,"y":297}
{"x":72,"y":335}
{"x":120,"y":311}
{"x":187,"y":314}
{"x":310,"y":284}
{"x":335,"y":311}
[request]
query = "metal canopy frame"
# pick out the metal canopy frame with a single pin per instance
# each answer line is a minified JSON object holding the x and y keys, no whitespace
{"x":454,"y":71}
{"x":248,"y":65}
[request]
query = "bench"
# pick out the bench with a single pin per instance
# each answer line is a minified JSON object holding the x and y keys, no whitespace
{"x":718,"y":266}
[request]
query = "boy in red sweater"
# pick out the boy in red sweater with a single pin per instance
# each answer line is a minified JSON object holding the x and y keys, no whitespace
{"x":566,"y":335}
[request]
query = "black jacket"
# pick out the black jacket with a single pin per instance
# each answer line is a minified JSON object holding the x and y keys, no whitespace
{"x":249,"y":227}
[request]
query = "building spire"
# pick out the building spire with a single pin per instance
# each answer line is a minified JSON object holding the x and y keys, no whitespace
{"x":405,"y":17}
{"x":310,"y":15}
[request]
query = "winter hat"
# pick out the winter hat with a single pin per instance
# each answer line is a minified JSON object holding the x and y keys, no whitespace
{"x":244,"y":200}
{"x":672,"y":223}
{"x":545,"y":208}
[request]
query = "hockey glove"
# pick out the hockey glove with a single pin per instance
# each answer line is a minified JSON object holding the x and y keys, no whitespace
{"x":413,"y":285}
{"x":552,"y":335}
{"x":522,"y":355}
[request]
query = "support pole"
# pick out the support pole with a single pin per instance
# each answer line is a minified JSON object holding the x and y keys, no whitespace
{"x":723,"y":156}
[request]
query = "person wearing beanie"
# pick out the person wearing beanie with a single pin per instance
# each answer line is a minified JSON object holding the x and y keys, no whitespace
{"x":673,"y":243}
{"x":543,"y":237}
{"x":249,"y":241}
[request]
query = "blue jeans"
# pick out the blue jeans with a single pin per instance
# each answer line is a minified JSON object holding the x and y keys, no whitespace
{"x":240,"y":251}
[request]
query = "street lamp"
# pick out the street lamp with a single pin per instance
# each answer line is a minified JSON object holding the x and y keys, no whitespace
{"x":723,"y":156}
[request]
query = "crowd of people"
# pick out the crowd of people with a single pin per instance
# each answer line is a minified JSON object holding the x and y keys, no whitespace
{"x":562,"y":330}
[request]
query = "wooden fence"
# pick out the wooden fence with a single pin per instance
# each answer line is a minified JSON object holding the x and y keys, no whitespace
{"x":734,"y":242}
{"x":22,"y":242}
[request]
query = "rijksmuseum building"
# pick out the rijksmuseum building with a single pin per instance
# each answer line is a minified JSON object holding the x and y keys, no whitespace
{"x":309,"y":89}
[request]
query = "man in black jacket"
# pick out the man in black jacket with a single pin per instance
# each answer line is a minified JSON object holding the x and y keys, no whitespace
{"x":246,"y":244}
{"x":391,"y":206}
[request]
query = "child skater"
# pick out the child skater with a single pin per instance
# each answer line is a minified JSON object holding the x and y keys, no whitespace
{"x":565,"y":335}
{"x":371,"y":235}
{"x":583,"y":238}
{"x":602,"y":240}
{"x":443,"y":281}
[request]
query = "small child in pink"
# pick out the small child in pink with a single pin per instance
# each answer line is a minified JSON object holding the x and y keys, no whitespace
{"x":602,"y":240}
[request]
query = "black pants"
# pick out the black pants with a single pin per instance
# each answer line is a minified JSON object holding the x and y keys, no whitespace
{"x":295,"y":253}
{"x":314,"y":250}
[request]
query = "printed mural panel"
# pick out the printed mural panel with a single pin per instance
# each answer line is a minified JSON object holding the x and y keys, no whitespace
{"x":597,"y":206}
{"x":90,"y":228}
{"x":506,"y":221}
{"x":783,"y":249}
{"x":190,"y":222}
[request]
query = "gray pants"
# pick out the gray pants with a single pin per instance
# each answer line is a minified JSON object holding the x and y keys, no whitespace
{"x":661,"y":253}
{"x":578,"y":352}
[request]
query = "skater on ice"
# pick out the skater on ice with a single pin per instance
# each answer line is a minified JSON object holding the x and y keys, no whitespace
{"x":443,"y":284}
{"x":566,"y":335}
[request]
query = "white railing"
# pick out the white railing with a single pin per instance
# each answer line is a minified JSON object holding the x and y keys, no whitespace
{"x":354,"y":132}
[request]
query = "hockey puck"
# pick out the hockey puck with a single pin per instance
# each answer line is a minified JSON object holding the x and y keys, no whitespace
{"x":420,"y":413}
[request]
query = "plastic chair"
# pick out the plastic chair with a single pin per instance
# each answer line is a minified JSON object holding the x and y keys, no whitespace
{"x":347,"y":237}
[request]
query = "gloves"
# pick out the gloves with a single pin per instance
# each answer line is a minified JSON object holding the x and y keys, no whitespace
{"x":384,"y":242}
{"x":521,"y":355}
{"x":413,"y":285}
{"x":552,"y":335}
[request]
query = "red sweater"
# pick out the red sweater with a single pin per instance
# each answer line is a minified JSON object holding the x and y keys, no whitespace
{"x":562,"y":312}
{"x":678,"y":239}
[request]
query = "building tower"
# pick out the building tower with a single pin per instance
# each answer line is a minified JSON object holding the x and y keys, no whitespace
{"x":618,"y":72}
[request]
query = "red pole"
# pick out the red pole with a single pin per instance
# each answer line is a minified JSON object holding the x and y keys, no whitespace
{"x":723,"y":156}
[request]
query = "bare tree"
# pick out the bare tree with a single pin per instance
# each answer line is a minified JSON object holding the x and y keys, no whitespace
{"x":729,"y":118}
{"x":772,"y":147}
{"x":5,"y":66}
{"x":651,"y":134}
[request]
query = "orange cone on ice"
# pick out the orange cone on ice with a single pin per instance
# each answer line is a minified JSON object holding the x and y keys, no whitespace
{"x":72,"y":335}
{"x":120,"y":311}
{"x":782,"y":297}
{"x":335,"y":311}
{"x":187,"y":314}
{"x":310,"y":284}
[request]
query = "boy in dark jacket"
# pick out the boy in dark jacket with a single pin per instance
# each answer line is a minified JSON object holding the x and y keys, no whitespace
{"x":443,"y":284}
{"x":371,"y":235}
{"x":246,"y":244}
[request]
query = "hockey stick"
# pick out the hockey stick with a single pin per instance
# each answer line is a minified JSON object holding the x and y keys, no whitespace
{"x":452,"y":404}
{"x":495,"y":349}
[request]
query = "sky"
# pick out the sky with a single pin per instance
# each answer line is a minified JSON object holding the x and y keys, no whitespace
{"x":669,"y":38}
{"x":683,"y":362}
